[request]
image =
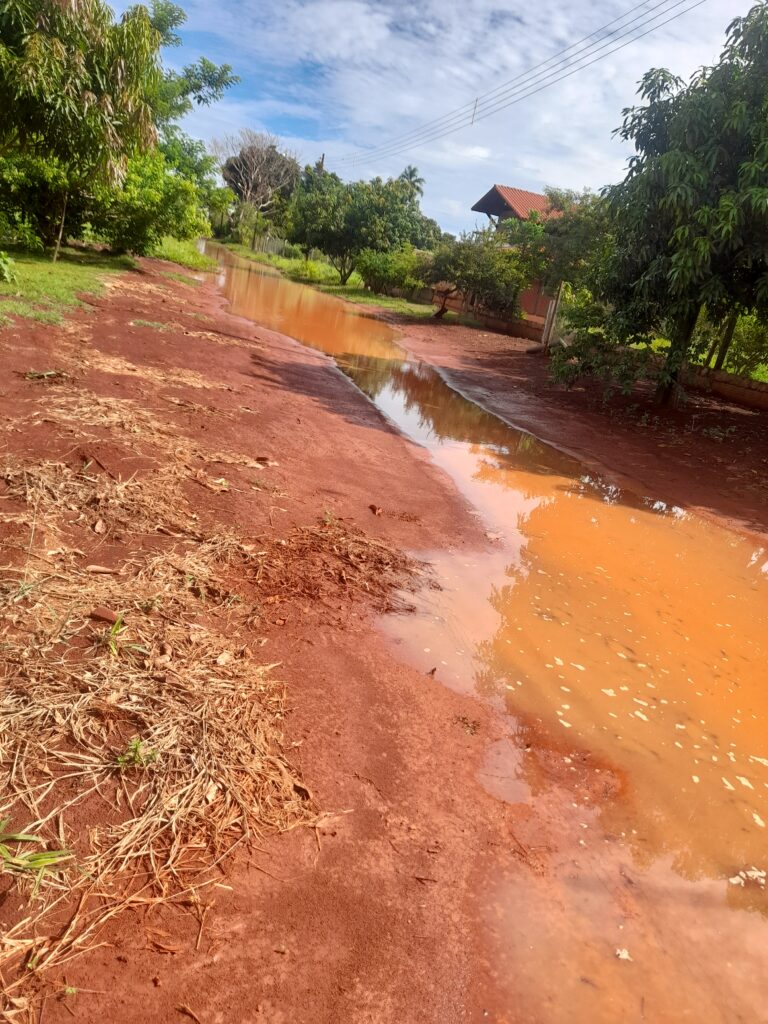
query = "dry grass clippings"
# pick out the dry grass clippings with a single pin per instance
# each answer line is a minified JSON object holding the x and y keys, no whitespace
{"x":136,"y":729}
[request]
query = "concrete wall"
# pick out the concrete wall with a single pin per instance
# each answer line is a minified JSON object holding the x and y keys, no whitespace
{"x":753,"y":393}
{"x":532,"y":327}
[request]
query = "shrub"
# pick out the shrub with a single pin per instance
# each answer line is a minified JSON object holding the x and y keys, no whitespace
{"x":401,"y":270}
{"x":153,"y":203}
{"x":749,"y":349}
{"x":7,"y":272}
{"x":591,"y":354}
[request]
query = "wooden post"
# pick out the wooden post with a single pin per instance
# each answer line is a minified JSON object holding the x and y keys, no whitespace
{"x":61,"y":229}
{"x":549,"y":323}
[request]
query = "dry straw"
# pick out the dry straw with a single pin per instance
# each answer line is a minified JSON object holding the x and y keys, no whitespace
{"x":152,"y":745}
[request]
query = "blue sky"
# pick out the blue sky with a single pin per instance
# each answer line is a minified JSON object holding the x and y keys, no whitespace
{"x":341,"y":76}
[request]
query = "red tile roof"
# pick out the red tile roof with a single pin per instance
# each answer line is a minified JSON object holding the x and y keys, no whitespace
{"x":522,"y":203}
{"x":519,"y":202}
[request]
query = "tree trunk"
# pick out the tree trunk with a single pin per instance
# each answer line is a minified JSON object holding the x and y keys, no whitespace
{"x":253,"y":236}
{"x":668,"y":390}
{"x":61,"y":229}
{"x":711,"y":351}
{"x":727,"y":339}
{"x":440,"y":313}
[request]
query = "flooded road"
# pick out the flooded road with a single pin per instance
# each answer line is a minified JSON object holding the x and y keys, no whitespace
{"x":626,"y":644}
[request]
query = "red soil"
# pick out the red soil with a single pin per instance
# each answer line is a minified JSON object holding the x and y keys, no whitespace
{"x":710,"y":455}
{"x":374,"y":917}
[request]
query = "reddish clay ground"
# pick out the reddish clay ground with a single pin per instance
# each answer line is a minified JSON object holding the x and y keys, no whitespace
{"x":373,"y":918}
{"x":710,"y":455}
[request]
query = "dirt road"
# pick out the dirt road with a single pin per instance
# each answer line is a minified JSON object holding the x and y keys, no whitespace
{"x":381,"y":913}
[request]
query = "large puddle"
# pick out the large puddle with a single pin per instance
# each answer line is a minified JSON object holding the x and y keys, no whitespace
{"x":628,"y":640}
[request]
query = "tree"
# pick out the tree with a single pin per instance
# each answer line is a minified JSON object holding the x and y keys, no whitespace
{"x":59,"y":80}
{"x":152,"y":202}
{"x":410,"y":176}
{"x":259,"y":172}
{"x":343,"y":219}
{"x":200,"y":83}
{"x":690,"y":219}
{"x":485,"y":268}
{"x":256,"y":168}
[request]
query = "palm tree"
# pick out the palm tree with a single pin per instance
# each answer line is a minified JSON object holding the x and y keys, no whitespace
{"x":413,"y":180}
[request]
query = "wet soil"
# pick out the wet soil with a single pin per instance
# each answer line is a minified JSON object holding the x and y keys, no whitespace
{"x":368,"y":918}
{"x":432,"y":874}
{"x":709,"y":456}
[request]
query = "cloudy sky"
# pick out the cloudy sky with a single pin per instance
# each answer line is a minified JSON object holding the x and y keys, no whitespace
{"x":341,"y":77}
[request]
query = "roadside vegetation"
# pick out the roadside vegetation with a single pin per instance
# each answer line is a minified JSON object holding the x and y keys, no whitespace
{"x":665,"y":269}
{"x":36,"y":289}
{"x":184,"y":252}
{"x":94,"y":156}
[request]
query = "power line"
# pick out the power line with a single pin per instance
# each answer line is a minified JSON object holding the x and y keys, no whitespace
{"x":538,"y":68}
{"x":549,"y":77}
{"x":499,"y":99}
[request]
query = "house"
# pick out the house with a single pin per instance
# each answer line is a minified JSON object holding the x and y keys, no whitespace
{"x":503,"y":202}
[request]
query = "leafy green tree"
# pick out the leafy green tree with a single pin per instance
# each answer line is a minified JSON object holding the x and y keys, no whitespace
{"x":488,"y":271}
{"x":153,"y":202}
{"x":59,"y":83}
{"x":690,"y":219}
{"x":343,"y":219}
{"x":402,"y":270}
{"x":198,"y":84}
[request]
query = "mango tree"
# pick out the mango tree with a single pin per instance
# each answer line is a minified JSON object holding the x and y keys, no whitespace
{"x":691,"y":217}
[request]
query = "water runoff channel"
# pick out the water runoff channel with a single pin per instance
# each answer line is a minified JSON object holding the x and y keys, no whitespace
{"x":621,"y":638}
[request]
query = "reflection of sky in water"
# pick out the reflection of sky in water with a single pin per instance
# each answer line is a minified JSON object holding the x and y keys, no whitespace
{"x":609,"y":623}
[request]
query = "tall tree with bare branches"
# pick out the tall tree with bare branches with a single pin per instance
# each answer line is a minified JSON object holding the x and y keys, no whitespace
{"x":257,"y":169}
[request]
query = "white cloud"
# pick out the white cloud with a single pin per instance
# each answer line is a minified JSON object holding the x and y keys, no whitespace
{"x":347,"y":75}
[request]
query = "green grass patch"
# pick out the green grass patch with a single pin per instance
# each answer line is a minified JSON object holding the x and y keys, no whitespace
{"x":45,"y":291}
{"x":186,"y":254}
{"x":297,"y":269}
{"x":355,"y":293}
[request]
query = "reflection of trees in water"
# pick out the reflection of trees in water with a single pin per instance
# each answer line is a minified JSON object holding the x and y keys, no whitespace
{"x":666,"y":829}
{"x":449,"y":416}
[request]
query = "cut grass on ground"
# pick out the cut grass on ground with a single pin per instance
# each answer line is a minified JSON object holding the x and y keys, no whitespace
{"x":45,"y":291}
{"x":186,"y":254}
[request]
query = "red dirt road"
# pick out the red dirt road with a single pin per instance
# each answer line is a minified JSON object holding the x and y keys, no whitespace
{"x":372,"y":917}
{"x":377,"y":916}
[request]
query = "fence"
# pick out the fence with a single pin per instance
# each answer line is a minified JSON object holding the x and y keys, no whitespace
{"x":273,"y":246}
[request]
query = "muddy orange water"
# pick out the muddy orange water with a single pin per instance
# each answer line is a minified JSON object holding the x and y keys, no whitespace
{"x":626,"y":642}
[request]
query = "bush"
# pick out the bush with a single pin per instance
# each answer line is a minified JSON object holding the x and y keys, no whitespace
{"x":184,"y":253}
{"x":7,"y":271}
{"x":591,"y":354}
{"x":401,"y":270}
{"x":749,"y":349}
{"x":152,"y":204}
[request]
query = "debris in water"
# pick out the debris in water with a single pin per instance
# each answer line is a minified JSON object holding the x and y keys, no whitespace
{"x":623,"y":954}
